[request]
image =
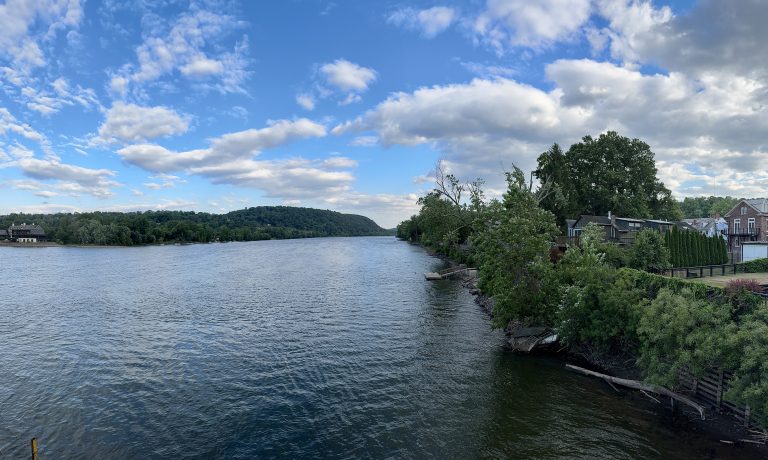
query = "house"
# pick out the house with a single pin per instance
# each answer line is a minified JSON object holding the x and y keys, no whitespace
{"x":621,"y":230}
{"x":26,"y":233}
{"x":709,"y":226}
{"x":3,"y":235}
{"x":747,"y":221}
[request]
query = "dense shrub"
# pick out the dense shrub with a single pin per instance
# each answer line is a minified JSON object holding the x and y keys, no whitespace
{"x":680,"y":330}
{"x":756,"y":266}
{"x":737,"y":285}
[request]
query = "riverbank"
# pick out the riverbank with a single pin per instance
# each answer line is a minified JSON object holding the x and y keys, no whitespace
{"x":718,"y":425}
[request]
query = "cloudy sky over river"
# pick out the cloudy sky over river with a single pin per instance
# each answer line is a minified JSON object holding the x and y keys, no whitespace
{"x":346,"y":105}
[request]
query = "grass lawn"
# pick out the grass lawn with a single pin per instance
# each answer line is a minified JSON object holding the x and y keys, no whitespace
{"x":721,"y":281}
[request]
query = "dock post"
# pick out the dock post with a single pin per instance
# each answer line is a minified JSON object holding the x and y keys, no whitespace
{"x":34,"y":448}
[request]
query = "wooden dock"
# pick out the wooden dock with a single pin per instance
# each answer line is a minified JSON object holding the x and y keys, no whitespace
{"x":447,"y":273}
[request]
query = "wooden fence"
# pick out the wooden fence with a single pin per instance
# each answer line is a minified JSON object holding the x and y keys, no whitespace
{"x":710,"y":390}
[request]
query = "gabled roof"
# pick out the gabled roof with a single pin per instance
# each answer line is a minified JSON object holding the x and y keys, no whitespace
{"x":584,"y":219}
{"x":759,"y":204}
{"x":570,"y":222}
{"x":33,"y":229}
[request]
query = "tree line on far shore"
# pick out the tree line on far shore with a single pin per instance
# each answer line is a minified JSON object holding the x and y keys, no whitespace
{"x":154,"y":227}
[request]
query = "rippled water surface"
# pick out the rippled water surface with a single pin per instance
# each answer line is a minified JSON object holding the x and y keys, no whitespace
{"x":323,"y":348}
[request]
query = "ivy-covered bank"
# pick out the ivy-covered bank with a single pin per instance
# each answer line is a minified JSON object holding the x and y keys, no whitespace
{"x":600,"y":297}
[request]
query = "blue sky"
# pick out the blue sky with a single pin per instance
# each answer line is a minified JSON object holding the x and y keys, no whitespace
{"x":348,"y":105}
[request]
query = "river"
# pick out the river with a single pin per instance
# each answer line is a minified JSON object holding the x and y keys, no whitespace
{"x":321,"y":348}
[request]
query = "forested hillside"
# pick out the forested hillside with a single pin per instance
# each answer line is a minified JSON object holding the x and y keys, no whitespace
{"x":149,"y":227}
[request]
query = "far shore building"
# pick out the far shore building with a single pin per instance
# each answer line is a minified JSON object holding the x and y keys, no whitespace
{"x":25,"y":233}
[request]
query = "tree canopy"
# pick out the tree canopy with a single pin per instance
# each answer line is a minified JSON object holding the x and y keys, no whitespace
{"x":610,"y":173}
{"x":256,"y":223}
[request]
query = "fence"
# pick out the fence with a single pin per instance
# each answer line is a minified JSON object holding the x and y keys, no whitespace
{"x":710,"y":389}
{"x":705,"y":270}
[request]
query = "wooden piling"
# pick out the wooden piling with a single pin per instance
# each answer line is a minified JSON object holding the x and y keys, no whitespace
{"x":34,"y":448}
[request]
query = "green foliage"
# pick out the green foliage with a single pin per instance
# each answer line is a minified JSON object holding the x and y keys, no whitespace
{"x":681,"y":330}
{"x":511,"y":243}
{"x":692,"y":249}
{"x":260,"y":223}
{"x":756,"y":266}
{"x":748,"y":348}
{"x":598,"y":307}
{"x":694,"y":208}
{"x":610,"y":173}
{"x":649,"y":252}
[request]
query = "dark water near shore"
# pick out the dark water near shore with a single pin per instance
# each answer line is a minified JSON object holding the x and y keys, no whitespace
{"x":323,"y":348}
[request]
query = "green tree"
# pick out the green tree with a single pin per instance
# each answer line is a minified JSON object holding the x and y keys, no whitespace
{"x":511,"y":240}
{"x":610,"y":173}
{"x":681,"y":331}
{"x":649,"y":252}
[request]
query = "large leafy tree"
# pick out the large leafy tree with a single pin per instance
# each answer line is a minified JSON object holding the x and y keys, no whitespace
{"x":511,"y":240}
{"x":607,"y":173}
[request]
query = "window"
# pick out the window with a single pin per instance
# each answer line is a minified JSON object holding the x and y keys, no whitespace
{"x":736,"y":226}
{"x":751,"y":226}
{"x":743,"y":210}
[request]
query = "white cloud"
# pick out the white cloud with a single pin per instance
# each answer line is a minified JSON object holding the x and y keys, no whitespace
{"x":348,"y":76}
{"x":72,"y":179}
{"x":702,"y":129}
{"x":306,"y":101}
{"x":230,"y":160}
{"x":364,"y":141}
{"x":339,"y":162}
{"x":132,"y":123}
{"x":430,"y":22}
{"x":522,"y":23}
{"x":202,"y":66}
{"x":187,"y":48}
{"x":28,"y":26}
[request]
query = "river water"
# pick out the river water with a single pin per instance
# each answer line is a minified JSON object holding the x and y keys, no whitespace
{"x":322,"y":348}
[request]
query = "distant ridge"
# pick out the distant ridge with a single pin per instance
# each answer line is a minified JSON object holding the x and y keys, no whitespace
{"x":153,"y":227}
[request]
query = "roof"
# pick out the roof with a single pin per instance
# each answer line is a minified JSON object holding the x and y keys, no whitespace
{"x":683,"y":225}
{"x":599,"y":220}
{"x":701,"y":223}
{"x":630,"y":219}
{"x":3,"y":232}
{"x":761,"y":204}
{"x":659,"y":221}
{"x":570,"y":222}
{"x":33,"y":229}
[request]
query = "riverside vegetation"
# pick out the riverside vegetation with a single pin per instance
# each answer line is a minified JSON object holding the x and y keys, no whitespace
{"x":153,"y":227}
{"x":603,"y":299}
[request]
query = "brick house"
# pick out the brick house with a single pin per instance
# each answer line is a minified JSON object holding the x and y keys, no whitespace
{"x":747,"y":221}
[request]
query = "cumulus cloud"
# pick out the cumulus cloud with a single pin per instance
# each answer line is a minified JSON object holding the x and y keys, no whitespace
{"x":306,"y":101}
{"x":348,"y":76}
{"x":430,"y":22}
{"x":230,"y":160}
{"x":70,"y":178}
{"x":187,"y":48}
{"x":132,"y":123}
{"x":702,"y":129}
{"x":522,"y":23}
